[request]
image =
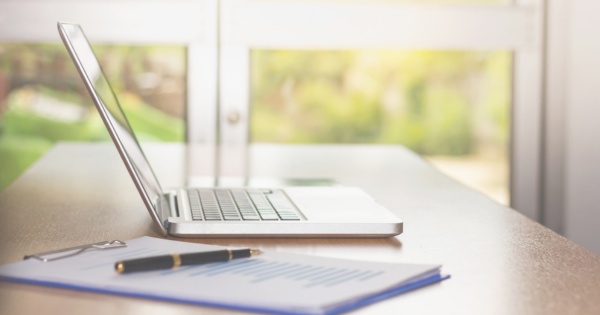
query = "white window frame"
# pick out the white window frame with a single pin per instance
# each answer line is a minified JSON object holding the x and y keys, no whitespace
{"x":297,"y":24}
{"x":190,"y":23}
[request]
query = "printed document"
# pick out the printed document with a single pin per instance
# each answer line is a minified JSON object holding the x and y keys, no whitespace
{"x":271,"y":282}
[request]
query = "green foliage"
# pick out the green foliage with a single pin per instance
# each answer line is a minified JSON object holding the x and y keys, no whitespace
{"x":450,"y":103}
{"x":149,"y":123}
{"x":47,"y":101}
{"x":22,"y":121}
{"x":27,"y":134}
{"x":433,"y":102}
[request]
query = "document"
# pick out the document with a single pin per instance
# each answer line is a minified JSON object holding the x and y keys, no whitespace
{"x":271,"y":282}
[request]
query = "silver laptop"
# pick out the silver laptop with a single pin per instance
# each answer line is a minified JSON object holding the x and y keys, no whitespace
{"x":220,"y":212}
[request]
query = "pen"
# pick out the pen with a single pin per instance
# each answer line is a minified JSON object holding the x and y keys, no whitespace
{"x":174,"y":261}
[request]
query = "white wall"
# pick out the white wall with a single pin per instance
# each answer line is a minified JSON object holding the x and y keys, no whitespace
{"x":582,"y":133}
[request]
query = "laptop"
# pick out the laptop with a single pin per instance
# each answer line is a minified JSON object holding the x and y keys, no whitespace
{"x":307,"y":211}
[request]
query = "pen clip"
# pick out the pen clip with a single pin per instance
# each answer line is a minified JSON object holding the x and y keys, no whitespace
{"x":76,"y":250}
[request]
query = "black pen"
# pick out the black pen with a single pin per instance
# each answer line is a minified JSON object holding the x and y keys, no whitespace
{"x":174,"y":261}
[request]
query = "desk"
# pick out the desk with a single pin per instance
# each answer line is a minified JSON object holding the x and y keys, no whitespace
{"x":500,"y":261}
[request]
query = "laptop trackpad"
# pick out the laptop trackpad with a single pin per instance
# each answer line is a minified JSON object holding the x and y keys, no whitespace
{"x":338,"y":204}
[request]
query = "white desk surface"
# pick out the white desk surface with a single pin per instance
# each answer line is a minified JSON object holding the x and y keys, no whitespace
{"x":500,"y":261}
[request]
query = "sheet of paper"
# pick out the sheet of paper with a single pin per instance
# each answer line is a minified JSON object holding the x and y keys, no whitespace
{"x":271,"y":281}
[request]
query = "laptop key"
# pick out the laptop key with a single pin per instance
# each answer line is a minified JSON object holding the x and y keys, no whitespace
{"x":251,"y":217}
{"x":290,"y":219}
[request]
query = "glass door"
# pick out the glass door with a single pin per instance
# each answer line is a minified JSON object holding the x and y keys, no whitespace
{"x":456,"y":81}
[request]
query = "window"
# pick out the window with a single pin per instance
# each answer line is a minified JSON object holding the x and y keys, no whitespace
{"x":43,"y":100}
{"x":451,"y":106}
{"x":230,"y":40}
{"x":283,"y":33}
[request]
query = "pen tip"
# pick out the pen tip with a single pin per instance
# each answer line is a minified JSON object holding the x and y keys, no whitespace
{"x":254,"y":251}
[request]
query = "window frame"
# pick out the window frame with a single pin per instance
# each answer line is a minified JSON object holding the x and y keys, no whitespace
{"x":270,"y":24}
{"x":189,"y":23}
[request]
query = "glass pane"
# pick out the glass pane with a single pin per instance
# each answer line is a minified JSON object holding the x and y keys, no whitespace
{"x":43,"y":100}
{"x":450,"y":106}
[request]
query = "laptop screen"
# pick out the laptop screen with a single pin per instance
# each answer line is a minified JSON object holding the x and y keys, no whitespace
{"x":114,"y":118}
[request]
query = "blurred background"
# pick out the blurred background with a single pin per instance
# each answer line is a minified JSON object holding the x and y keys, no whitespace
{"x":43,"y":100}
{"x":474,"y":86}
{"x":450,"y":106}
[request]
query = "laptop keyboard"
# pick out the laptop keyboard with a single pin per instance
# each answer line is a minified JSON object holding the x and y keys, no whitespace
{"x":241,"y":205}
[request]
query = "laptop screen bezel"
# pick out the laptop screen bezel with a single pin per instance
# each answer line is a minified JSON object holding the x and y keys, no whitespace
{"x":155,"y":202}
